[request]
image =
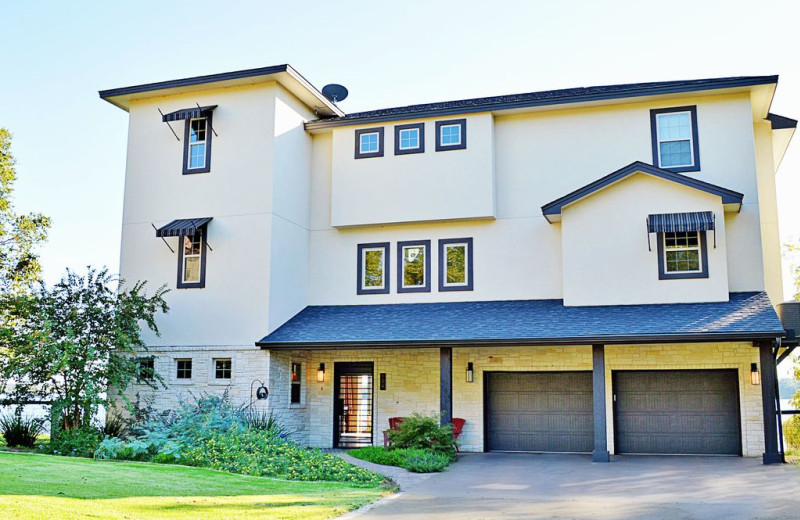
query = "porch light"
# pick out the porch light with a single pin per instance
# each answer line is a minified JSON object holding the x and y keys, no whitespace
{"x":470,"y":373}
{"x":321,"y":373}
{"x":755,"y":375}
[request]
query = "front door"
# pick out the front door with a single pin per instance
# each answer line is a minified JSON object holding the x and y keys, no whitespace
{"x":352,"y":405}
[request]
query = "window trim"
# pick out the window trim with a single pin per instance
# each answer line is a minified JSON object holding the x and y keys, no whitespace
{"x":215,"y":369}
{"x":695,"y":145}
{"x":420,"y":127}
{"x":386,"y":269}
{"x":401,"y":264}
{"x":203,"y":254}
{"x":443,"y":243}
{"x":177,"y":369}
{"x":662,"y":268}
{"x":451,"y":122}
{"x":365,"y":155}
{"x":207,"y":168}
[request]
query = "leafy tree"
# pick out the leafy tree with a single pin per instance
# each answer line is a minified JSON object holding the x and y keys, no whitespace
{"x":79,"y":344}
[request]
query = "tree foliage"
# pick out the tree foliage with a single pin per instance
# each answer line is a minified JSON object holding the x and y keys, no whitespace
{"x":79,"y":342}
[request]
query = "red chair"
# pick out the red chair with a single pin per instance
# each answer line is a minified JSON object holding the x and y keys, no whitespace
{"x":458,"y":425}
{"x":394,"y":424}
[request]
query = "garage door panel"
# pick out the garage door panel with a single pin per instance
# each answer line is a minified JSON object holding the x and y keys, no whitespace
{"x":681,"y":412}
{"x":552,"y":411}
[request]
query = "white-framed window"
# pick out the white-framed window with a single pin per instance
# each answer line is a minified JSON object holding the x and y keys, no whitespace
{"x":674,"y":133}
{"x":183,"y":368}
{"x":409,"y":139}
{"x":192,"y":246}
{"x":450,"y":135}
{"x":368,"y":143}
{"x":198,"y":130}
{"x":413,"y":266}
{"x":223,"y":368}
{"x":373,"y":268}
{"x":682,"y":252}
{"x":455,"y":264}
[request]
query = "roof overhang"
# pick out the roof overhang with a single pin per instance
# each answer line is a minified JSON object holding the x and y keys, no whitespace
{"x":731,"y":200}
{"x":284,"y":75}
{"x":783,"y":129}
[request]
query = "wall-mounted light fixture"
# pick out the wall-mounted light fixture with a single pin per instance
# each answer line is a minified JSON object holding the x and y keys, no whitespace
{"x":755,"y":375}
{"x":470,"y":373}
{"x":321,"y":373}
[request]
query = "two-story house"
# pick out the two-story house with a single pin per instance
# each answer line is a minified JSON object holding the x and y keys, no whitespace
{"x":582,"y":270}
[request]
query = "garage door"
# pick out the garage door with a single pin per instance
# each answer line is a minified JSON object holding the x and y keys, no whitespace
{"x":539,"y":411}
{"x":677,"y":412}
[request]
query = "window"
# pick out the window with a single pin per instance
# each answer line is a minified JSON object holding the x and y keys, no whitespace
{"x":455,"y":264}
{"x":197,"y":145}
{"x":222,"y":368}
{"x":184,"y":368}
{"x":451,"y":135}
{"x":409,"y":139}
{"x":682,"y":255}
{"x":296,"y":380}
{"x":373,"y":268}
{"x":674,"y":134}
{"x":192,"y":260}
{"x":146,"y":369}
{"x":369,"y":143}
{"x":413,"y":266}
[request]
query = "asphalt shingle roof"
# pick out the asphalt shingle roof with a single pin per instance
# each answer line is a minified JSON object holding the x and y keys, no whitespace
{"x":746,"y":316}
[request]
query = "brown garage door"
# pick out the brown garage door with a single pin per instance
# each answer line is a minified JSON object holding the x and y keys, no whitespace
{"x":539,"y":411}
{"x":677,"y":412}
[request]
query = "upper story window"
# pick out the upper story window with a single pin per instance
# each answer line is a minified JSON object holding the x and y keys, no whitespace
{"x":409,"y":138}
{"x":682,"y":255}
{"x":373,"y":268}
{"x":674,"y":134}
{"x":369,"y":143}
{"x":413,"y":266}
{"x":455,"y":264}
{"x":223,"y":368}
{"x":451,"y":135}
{"x":197,"y":145}
{"x":184,"y":369}
{"x":192,"y":260}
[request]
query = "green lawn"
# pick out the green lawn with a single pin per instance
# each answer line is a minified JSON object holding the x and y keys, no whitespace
{"x":48,"y":487}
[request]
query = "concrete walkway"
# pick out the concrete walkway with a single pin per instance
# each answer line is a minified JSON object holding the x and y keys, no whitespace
{"x":528,"y":486}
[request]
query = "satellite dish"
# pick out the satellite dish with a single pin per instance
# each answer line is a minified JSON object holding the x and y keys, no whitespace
{"x":334,"y":92}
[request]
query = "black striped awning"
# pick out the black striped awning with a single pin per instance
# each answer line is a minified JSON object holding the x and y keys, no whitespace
{"x":188,"y":113}
{"x":680,"y":222}
{"x":184,"y":226}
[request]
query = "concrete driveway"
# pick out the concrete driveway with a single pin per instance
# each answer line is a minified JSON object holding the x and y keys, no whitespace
{"x":528,"y":486}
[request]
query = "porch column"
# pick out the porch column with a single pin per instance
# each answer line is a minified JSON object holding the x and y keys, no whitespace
{"x":600,"y":453}
{"x":771,"y":453}
{"x":446,"y":384}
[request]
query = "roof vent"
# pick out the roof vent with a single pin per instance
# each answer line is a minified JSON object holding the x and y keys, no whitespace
{"x":334,"y":92}
{"x":789,"y":313}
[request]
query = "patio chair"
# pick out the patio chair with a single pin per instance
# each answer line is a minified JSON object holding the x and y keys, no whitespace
{"x":458,"y":425}
{"x":394,"y":424}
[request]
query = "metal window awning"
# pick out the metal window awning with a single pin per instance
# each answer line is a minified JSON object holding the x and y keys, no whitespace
{"x":188,"y":113}
{"x":681,"y":222}
{"x":185,"y":226}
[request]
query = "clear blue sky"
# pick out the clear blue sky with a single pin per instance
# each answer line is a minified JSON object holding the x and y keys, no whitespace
{"x":71,"y":146}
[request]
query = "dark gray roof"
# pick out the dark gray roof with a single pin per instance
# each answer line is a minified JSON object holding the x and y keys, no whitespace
{"x":781,"y":122}
{"x":547,"y":97}
{"x":728,"y":196}
{"x":747,"y":316}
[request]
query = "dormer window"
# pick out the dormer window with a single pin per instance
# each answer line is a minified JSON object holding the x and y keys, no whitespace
{"x":674,"y":134}
{"x":369,"y":143}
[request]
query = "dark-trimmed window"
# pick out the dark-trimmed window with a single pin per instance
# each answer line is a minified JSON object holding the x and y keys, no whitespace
{"x":297,"y":378}
{"x":682,"y":255}
{"x":223,"y":368}
{"x":413,"y":266}
{"x":451,"y":135}
{"x":192,"y":260}
{"x":369,"y":143}
{"x":674,"y":134}
{"x":184,"y":368}
{"x":455,"y":264}
{"x":146,"y":369}
{"x":197,"y":145}
{"x":409,"y":138}
{"x":373,"y":268}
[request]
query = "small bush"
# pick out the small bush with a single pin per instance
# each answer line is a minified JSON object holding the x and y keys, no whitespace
{"x":77,"y":442}
{"x":412,"y":459}
{"x":378,"y":455}
{"x":20,"y":431}
{"x":424,"y":432}
{"x":115,"y":426}
{"x":267,"y":421}
{"x":427,"y":462}
{"x":791,"y":430}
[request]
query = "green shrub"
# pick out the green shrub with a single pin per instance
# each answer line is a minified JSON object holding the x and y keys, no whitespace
{"x":427,"y":462}
{"x":424,"y":432}
{"x":379,"y":455}
{"x":263,"y":420}
{"x":791,"y":430}
{"x":20,"y":431}
{"x":77,"y":442}
{"x":115,"y":426}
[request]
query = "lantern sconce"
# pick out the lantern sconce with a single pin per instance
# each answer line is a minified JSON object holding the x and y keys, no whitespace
{"x":755,"y":375}
{"x":321,"y":373}
{"x":470,"y":373}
